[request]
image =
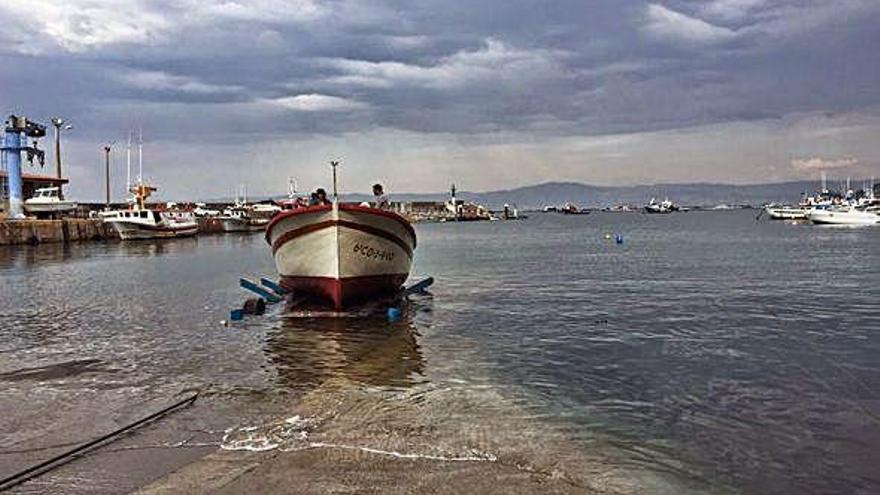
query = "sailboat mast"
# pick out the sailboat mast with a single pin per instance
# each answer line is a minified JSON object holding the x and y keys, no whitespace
{"x":128,"y":165}
{"x":140,"y":156}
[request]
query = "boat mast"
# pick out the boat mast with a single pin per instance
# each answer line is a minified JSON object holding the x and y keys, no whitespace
{"x":128,"y":166}
{"x":140,"y":156}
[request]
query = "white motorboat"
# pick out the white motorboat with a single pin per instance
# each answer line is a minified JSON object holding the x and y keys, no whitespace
{"x":202,"y":210}
{"x":47,"y":201}
{"x":266,"y":210}
{"x":241,"y":218}
{"x":845,"y":215}
{"x":342,"y":253}
{"x":783,"y":212}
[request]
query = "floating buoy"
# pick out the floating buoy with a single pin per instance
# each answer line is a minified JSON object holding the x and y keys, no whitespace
{"x":393,"y":314}
{"x":607,"y":237}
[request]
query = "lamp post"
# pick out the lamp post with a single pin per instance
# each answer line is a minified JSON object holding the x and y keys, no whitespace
{"x":59,"y":123}
{"x":107,"y":174}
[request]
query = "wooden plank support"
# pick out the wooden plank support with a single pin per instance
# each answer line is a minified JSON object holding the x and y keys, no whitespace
{"x":256,"y":289}
{"x":418,"y":286}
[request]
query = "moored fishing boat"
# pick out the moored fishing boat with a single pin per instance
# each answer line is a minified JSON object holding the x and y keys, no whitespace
{"x":343,"y":253}
{"x":151,"y":224}
{"x":140,"y":222}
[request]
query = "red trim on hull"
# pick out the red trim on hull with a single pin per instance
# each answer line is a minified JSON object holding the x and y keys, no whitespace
{"x":343,"y":292}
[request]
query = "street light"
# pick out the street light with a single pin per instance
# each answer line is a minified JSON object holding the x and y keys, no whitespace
{"x":59,"y":123}
{"x":107,"y":148}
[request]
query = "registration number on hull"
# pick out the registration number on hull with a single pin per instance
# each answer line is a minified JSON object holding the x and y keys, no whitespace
{"x":373,"y":253}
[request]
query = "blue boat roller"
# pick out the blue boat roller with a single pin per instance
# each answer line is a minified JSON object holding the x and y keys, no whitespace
{"x":270,"y":297}
{"x":273,"y":286}
{"x":274,"y":293}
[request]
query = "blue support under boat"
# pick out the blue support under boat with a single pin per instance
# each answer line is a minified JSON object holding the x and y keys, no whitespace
{"x":273,"y":286}
{"x":418,"y":286}
{"x":256,"y":289}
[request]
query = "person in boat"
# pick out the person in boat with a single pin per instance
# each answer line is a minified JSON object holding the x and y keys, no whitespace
{"x":380,"y":198}
{"x":319,"y":198}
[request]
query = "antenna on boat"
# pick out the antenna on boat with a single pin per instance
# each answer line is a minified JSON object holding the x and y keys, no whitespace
{"x":334,"y":164}
{"x":291,"y":187}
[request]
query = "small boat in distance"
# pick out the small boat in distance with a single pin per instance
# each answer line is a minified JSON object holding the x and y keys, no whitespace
{"x":341,"y":253}
{"x":573,"y":209}
{"x":783,"y":212}
{"x":47,"y":201}
{"x":665,"y":206}
{"x":241,"y":218}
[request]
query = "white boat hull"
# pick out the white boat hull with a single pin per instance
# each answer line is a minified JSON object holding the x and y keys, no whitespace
{"x":343,"y":254}
{"x":238,"y":224}
{"x":782,"y":213}
{"x":53,"y":207}
{"x":133,"y":230}
{"x":843,"y":217}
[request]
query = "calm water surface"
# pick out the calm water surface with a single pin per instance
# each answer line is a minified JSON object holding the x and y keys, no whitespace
{"x":709,"y":353}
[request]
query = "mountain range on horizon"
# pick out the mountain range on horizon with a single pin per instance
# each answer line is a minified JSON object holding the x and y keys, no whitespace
{"x":592,"y":196}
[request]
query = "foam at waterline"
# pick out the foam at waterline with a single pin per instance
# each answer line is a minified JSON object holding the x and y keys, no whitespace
{"x":473,"y":456}
{"x":292,"y":435}
{"x":267,"y":437}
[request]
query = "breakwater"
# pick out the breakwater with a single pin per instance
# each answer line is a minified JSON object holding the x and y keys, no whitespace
{"x":66,"y":230}
{"x":32,"y":231}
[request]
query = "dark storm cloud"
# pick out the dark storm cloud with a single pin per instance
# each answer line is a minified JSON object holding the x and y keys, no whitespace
{"x":209,"y":70}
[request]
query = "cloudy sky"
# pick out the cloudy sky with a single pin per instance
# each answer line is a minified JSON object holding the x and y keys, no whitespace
{"x":417,"y":94}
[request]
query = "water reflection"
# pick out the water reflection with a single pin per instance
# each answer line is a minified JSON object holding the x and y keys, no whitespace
{"x":308,"y":352}
{"x":158,"y":247}
{"x":46,"y":254}
{"x":28,"y":256}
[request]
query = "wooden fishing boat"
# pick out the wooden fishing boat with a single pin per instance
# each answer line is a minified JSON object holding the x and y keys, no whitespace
{"x":342,"y":253}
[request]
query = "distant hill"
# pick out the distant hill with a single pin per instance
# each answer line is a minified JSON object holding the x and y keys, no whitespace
{"x":585,"y":195}
{"x":590,"y":196}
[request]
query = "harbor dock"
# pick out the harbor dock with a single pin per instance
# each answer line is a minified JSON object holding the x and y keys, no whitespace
{"x":33,"y":231}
